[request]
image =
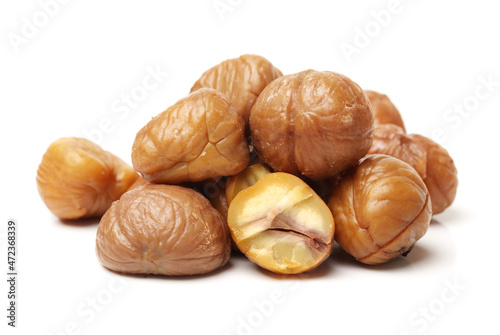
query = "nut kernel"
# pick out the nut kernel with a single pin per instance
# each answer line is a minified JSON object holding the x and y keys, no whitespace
{"x":281,"y":224}
{"x":312,"y":123}
{"x":381,"y":209}
{"x":199,"y":137}
{"x":165,"y":230}
{"x":78,"y":179}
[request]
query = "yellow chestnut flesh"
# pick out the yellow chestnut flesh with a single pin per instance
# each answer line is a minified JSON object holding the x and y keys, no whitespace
{"x":244,"y":179}
{"x":281,"y":224}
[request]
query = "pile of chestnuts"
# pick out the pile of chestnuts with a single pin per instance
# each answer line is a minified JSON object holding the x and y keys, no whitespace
{"x":300,"y":160}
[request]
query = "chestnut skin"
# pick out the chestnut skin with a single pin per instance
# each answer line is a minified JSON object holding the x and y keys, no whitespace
{"x":432,"y":162}
{"x":384,"y":110}
{"x":381,"y":209}
{"x":198,"y":138}
{"x":78,"y":179}
{"x":163,"y":230}
{"x":240,"y":79}
{"x":312,"y":123}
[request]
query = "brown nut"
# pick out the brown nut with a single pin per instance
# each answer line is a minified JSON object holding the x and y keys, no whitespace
{"x":199,"y":137}
{"x":432,"y":162}
{"x":240,"y":79}
{"x":384,"y":110}
{"x":165,"y":230}
{"x":218,"y":199}
{"x":245,"y":179}
{"x":381,"y":209}
{"x":219,"y":202}
{"x":78,"y":179}
{"x":312,"y":123}
{"x":281,"y":224}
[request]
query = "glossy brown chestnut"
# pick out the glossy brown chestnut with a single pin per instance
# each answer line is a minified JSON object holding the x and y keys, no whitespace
{"x":199,"y":137}
{"x":384,"y":110}
{"x":432,"y":162}
{"x":312,"y":123}
{"x":165,"y":230}
{"x":381,"y":209}
{"x":78,"y":179}
{"x":240,"y":79}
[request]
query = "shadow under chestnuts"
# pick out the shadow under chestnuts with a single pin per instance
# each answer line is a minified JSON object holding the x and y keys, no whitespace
{"x":334,"y":163}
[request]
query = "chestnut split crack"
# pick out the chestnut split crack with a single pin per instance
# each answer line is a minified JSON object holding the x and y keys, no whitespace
{"x":314,"y":242}
{"x":404,"y":250}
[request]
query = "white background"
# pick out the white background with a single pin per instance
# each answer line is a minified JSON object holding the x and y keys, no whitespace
{"x":65,"y":77}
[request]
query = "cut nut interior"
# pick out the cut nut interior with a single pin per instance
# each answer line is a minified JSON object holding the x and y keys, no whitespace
{"x":281,"y":224}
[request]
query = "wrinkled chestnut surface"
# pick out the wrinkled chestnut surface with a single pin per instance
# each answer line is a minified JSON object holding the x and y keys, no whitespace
{"x":240,"y":79}
{"x":384,"y":110}
{"x":165,"y":230}
{"x":78,"y":179}
{"x":200,"y":137}
{"x":432,"y":162}
{"x":280,"y":224}
{"x":381,"y":209}
{"x":312,"y":123}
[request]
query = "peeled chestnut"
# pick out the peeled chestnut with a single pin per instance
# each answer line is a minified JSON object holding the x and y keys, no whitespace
{"x":240,"y":79}
{"x":381,"y":209}
{"x":384,"y":110}
{"x":78,"y":179}
{"x":164,"y":230}
{"x":432,"y":162}
{"x":244,"y":179}
{"x":312,"y":123}
{"x":281,"y":224}
{"x":199,"y":137}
